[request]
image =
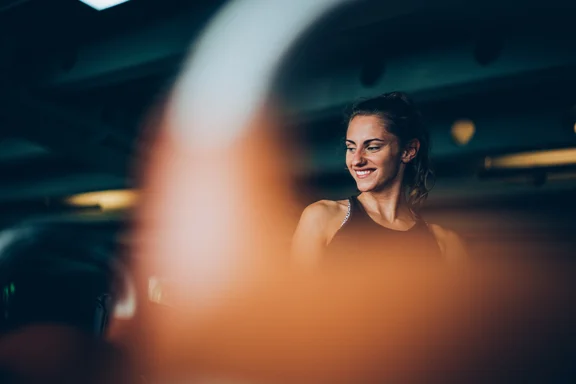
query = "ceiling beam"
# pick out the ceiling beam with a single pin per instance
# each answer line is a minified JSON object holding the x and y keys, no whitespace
{"x":431,"y":71}
{"x":157,"y":49}
{"x":160,"y":48}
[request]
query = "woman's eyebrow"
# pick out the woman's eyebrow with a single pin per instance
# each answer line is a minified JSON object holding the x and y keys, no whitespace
{"x":348,"y":141}
{"x":366,"y":142}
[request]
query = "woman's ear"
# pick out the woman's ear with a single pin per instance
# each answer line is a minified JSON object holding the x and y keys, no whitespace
{"x":410,"y":151}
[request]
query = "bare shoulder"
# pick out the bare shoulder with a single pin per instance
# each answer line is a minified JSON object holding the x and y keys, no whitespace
{"x":324,"y":216}
{"x":318,"y":224}
{"x":326,"y":209}
{"x":330,"y":205}
{"x":450,"y":242}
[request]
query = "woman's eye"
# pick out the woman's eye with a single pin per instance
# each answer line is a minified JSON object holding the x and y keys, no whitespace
{"x":373,"y":148}
{"x":350,"y":149}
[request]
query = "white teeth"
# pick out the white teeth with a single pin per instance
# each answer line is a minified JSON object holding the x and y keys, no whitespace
{"x":362,"y":173}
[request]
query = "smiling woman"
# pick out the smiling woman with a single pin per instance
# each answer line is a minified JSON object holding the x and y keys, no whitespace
{"x":388,"y":155}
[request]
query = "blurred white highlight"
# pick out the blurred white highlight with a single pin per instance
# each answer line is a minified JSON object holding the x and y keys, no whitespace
{"x":228,"y":76}
{"x":125,"y":307}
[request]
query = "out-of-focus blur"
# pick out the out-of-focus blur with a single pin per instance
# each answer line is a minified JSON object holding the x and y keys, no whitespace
{"x":89,"y":110}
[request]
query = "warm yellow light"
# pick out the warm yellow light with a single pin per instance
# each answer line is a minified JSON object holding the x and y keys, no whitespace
{"x":547,"y":158}
{"x":107,"y":200}
{"x":463,"y":131}
{"x":574,"y":127}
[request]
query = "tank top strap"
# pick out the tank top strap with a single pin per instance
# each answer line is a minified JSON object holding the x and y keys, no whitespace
{"x":348,"y":212}
{"x":424,"y":223}
{"x":356,"y":205}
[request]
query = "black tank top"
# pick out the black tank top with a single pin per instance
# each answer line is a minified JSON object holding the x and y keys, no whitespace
{"x":360,"y":236}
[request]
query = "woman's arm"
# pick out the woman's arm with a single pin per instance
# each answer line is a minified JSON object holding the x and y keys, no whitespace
{"x":317,"y":225}
{"x":309,"y":239}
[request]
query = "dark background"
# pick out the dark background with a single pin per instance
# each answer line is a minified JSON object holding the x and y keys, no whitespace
{"x":77,"y":85}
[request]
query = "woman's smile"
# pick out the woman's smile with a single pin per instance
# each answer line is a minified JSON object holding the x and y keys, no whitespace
{"x":363,"y":173}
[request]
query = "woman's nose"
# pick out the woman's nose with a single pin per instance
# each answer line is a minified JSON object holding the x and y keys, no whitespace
{"x":358,"y":158}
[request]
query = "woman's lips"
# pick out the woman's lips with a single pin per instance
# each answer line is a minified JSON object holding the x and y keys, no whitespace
{"x":364,"y":173}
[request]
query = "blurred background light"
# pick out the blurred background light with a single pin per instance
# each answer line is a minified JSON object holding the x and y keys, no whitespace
{"x":107,"y":200}
{"x":103,"y":4}
{"x":463,"y":131}
{"x":546,"y":158}
{"x":154,"y":290}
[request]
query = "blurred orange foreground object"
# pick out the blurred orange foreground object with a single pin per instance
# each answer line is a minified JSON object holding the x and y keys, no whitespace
{"x":213,"y":221}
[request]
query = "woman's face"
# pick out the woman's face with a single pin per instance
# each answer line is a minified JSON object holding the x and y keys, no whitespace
{"x":373,"y":155}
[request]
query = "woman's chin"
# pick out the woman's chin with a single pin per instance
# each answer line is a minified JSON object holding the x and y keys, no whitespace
{"x":364,"y":187}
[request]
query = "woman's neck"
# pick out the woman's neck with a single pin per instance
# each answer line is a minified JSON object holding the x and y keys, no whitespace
{"x":389,"y":204}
